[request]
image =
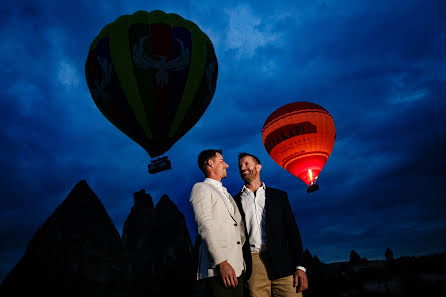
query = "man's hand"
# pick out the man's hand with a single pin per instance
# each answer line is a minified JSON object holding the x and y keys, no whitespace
{"x":227,"y":275}
{"x":300,"y":280}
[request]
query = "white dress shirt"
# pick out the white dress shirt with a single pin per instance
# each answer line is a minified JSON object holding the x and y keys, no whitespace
{"x":253,"y":205}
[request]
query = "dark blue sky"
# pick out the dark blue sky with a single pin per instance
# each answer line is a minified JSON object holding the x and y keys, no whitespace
{"x":379,"y":67}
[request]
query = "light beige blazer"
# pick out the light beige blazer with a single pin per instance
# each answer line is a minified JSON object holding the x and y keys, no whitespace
{"x":222,"y":233}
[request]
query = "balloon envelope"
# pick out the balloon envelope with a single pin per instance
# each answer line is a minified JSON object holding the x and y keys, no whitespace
{"x":300,"y":137}
{"x":152,"y":75}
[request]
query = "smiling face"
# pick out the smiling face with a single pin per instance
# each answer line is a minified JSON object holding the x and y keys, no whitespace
{"x":218,"y":167}
{"x":249,"y":169}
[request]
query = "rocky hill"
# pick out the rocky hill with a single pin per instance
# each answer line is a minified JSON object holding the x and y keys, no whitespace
{"x":79,"y":252}
{"x":402,"y":277}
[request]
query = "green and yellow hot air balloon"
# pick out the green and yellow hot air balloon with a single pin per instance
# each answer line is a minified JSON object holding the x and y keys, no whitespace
{"x":152,"y":75}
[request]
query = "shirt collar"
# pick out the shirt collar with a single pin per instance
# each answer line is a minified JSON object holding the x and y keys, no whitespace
{"x":245,"y":188}
{"x":213,"y":182}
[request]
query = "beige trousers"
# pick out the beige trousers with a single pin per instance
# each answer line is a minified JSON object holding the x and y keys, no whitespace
{"x":261,"y":286}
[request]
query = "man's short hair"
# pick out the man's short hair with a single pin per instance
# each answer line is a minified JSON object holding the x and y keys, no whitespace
{"x":204,"y":157}
{"x":242,"y":155}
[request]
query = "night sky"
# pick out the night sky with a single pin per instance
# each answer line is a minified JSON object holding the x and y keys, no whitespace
{"x":378,"y":67}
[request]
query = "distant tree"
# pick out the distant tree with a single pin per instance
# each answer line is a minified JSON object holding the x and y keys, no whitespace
{"x":389,"y":255}
{"x":364,"y":260}
{"x":354,"y":257}
{"x":316,"y":260}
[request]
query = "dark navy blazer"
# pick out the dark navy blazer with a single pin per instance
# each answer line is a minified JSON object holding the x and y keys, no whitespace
{"x":283,"y":237}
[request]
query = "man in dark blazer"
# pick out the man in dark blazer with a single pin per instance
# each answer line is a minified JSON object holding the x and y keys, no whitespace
{"x":273,"y":250}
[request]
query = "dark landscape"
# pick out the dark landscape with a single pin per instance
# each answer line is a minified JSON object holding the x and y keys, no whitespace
{"x":78,"y":252}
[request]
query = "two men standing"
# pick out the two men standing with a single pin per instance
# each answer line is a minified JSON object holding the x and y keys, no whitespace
{"x":270,"y":258}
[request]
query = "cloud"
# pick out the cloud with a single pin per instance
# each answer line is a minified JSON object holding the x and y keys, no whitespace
{"x":247,"y":31}
{"x":68,"y":75}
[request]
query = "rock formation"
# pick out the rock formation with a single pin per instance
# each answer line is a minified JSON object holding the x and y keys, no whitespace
{"x":388,"y":255}
{"x":76,"y":252}
{"x":79,"y":252}
{"x":159,"y":248}
{"x":354,"y":257}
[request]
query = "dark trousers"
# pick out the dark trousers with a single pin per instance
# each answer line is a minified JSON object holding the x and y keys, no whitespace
{"x":216,"y":288}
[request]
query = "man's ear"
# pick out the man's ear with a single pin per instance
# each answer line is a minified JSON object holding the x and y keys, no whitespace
{"x":210,"y":163}
{"x":259,"y":167}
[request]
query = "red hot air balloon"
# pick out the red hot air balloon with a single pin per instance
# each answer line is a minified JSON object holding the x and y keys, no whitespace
{"x":299,"y":137}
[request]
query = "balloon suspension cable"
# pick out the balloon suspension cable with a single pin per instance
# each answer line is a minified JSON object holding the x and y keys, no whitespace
{"x":159,"y":164}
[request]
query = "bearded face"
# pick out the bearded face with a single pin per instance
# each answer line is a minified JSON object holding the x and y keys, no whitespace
{"x":249,"y":175}
{"x":248,"y":168}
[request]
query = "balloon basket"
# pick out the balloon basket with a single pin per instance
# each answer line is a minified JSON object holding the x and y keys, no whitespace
{"x":312,"y":187}
{"x":159,"y":165}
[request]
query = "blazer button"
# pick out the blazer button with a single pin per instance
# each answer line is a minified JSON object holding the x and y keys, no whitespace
{"x":235,"y":224}
{"x":238,"y":242}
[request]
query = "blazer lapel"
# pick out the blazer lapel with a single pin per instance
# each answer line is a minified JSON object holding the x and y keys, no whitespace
{"x":237,"y":214}
{"x":226,"y":202}
{"x":239,"y":220}
{"x":238,"y":201}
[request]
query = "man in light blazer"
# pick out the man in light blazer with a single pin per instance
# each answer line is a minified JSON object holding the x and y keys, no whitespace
{"x":220,"y":227}
{"x":273,"y":248}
